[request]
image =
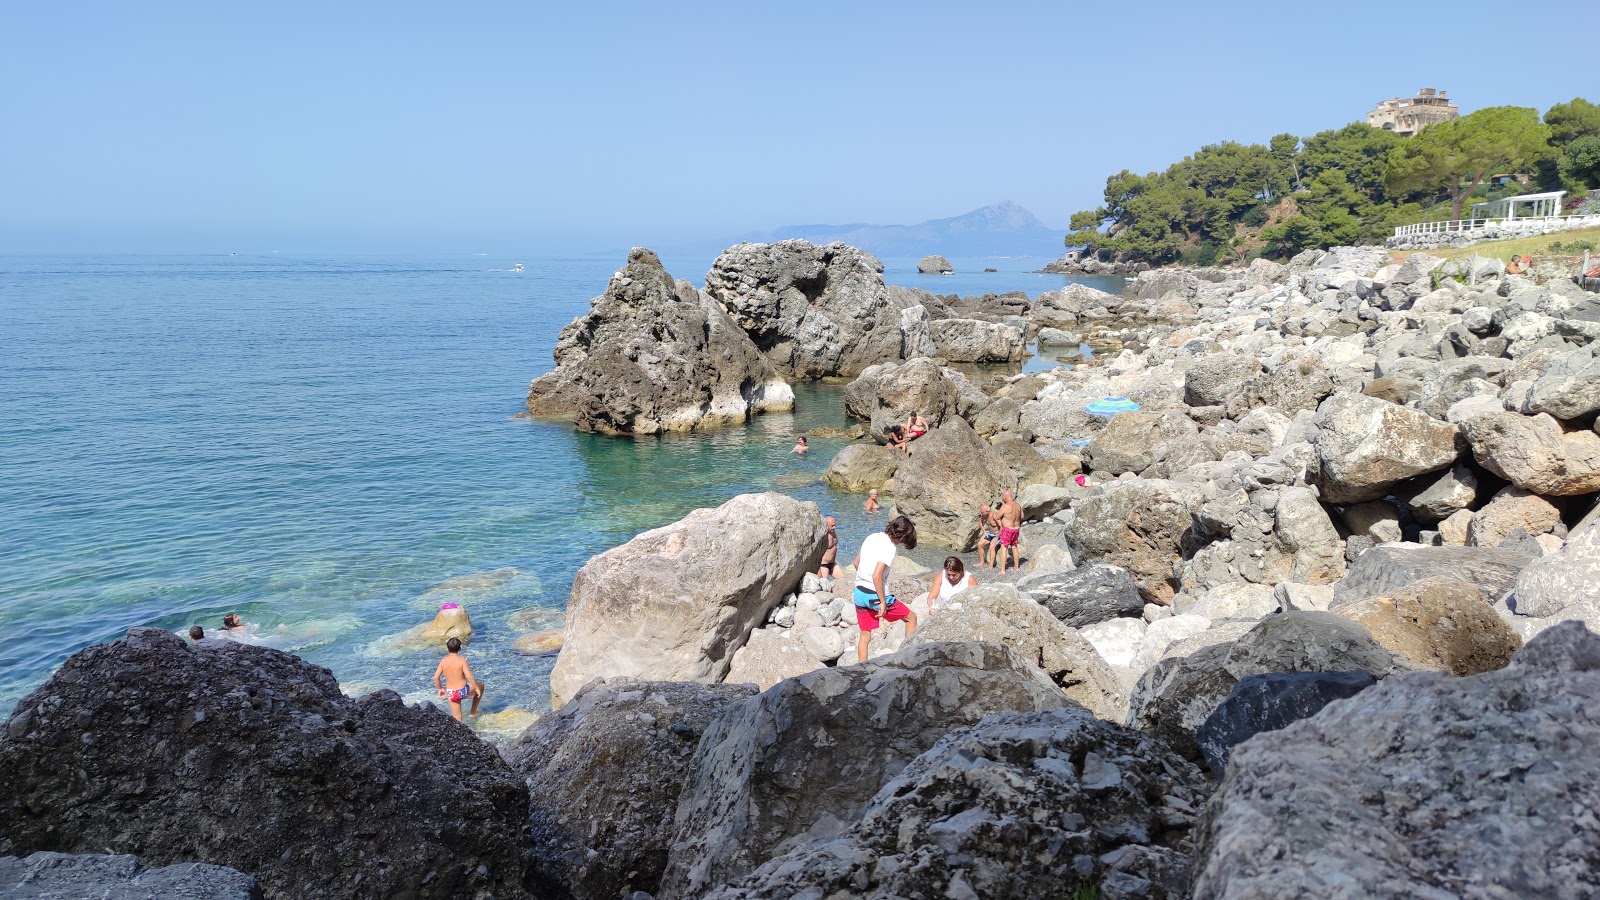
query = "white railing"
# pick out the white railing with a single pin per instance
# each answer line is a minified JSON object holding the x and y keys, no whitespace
{"x":1470,"y":225}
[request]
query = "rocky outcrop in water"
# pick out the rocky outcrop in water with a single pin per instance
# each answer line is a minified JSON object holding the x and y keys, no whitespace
{"x":674,"y":603}
{"x":241,"y":756}
{"x":935,"y":265}
{"x":655,"y":355}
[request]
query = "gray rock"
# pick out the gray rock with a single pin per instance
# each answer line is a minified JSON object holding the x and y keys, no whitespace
{"x":1365,"y":446}
{"x":1303,"y":597}
{"x":654,"y":355}
{"x":1134,"y":441}
{"x":1383,"y":570}
{"x":226,"y":753}
{"x":1376,"y":519}
{"x":1381,"y":795}
{"x":862,"y":467}
{"x":1535,"y":453}
{"x":652,"y":608}
{"x":1449,"y":493}
{"x":1041,"y":501}
{"x":1001,"y":415}
{"x":887,"y":394}
{"x":1568,"y":387}
{"x":1087,"y":595}
{"x":1140,"y":525}
{"x":1510,"y":510}
{"x":935,"y":265}
{"x":974,"y":341}
{"x":803,"y":759}
{"x":1219,"y":379}
{"x":604,"y":773}
{"x":770,"y":656}
{"x":814,"y":311}
{"x":54,"y":876}
{"x":1268,"y":702}
{"x":1566,"y":579}
{"x":916,"y":333}
{"x":1052,"y":804}
{"x":947,"y":474}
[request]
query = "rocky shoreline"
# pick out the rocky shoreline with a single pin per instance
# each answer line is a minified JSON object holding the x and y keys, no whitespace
{"x":1319,"y":621}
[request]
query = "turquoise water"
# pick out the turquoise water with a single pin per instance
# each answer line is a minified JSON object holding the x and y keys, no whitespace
{"x":327,"y":447}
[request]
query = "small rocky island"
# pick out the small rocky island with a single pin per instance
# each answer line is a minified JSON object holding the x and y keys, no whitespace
{"x":1307,"y":609}
{"x":935,"y":265}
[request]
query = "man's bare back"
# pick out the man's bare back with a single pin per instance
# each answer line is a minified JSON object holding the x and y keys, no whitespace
{"x":455,"y":680}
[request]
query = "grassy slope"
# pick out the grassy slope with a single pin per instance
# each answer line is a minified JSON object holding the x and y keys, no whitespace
{"x":1529,"y":246}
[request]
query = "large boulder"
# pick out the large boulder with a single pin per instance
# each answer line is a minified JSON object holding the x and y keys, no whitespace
{"x":804,"y":758}
{"x":1142,"y":526}
{"x":862,"y":467}
{"x":1437,"y":623}
{"x":815,"y":311}
{"x":1426,"y":785}
{"x":1051,"y":804}
{"x":1175,"y":698}
{"x":604,"y":773}
{"x":769,"y":657}
{"x":1220,"y":379}
{"x":1365,"y":446}
{"x":1086,"y":595}
{"x":1134,"y":441}
{"x":57,"y":876}
{"x":674,"y":603}
{"x":887,"y":394}
{"x":1268,"y":702}
{"x":655,"y":355}
{"x":1510,"y":510}
{"x":947,"y":474}
{"x":935,"y":265}
{"x":242,"y":756}
{"x":1568,"y":386}
{"x":1535,"y":452}
{"x":999,"y":614}
{"x":1564,"y":584}
{"x":1385,"y":569}
{"x":976,"y":341}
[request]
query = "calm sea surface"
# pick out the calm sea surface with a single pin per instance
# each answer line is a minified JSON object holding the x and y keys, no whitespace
{"x":327,"y":447}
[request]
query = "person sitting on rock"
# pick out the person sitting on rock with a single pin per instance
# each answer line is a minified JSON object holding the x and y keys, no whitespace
{"x":457,"y":682}
{"x":1010,"y":519}
{"x":830,"y":554}
{"x":197,"y":633}
{"x":874,"y":604}
{"x":988,"y":540}
{"x":953,"y":582}
{"x":916,"y":426}
{"x":872,"y":501}
{"x":801,"y":447}
{"x":896,"y":437}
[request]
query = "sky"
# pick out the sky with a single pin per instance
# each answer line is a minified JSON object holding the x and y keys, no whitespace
{"x":582,"y":127}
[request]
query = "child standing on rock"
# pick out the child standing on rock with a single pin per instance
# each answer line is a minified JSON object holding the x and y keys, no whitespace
{"x":455,"y":681}
{"x":874,"y":605}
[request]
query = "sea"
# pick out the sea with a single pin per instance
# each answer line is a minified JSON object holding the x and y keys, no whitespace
{"x":330,"y":447}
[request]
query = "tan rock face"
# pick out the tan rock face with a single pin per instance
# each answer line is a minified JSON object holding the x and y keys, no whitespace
{"x":449,"y":623}
{"x":862,"y":467}
{"x":1511,"y":508}
{"x":947,"y":474}
{"x":1139,"y":525}
{"x":1365,"y":446}
{"x":1438,"y":623}
{"x":1535,"y":453}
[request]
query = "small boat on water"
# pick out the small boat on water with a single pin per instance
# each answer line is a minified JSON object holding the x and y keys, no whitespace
{"x":517,"y":267}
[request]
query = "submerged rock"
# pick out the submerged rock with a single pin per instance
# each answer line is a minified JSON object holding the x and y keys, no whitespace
{"x":246,"y":757}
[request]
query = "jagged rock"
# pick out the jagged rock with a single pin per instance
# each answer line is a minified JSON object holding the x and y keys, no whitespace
{"x":1535,"y":453}
{"x":887,"y":394}
{"x":1365,"y":446}
{"x":1087,"y":595}
{"x":604,"y":773}
{"x":1139,"y":525}
{"x":1437,"y":623}
{"x":946,"y":475}
{"x":916,"y":333}
{"x":655,"y":355}
{"x":1268,"y":702}
{"x":1449,"y":493}
{"x":1117,"y":640}
{"x":1568,"y":387}
{"x":971,"y":340}
{"x":1134,"y":441}
{"x":226,"y":753}
{"x":805,"y":757}
{"x":1176,"y":696}
{"x":1383,"y":570}
{"x":1296,"y":815}
{"x":56,"y":876}
{"x":1005,"y":808}
{"x":814,"y":311}
{"x":999,"y":614}
{"x":1001,"y":415}
{"x":935,"y":265}
{"x":1049,"y":558}
{"x":1510,"y":509}
{"x":1568,"y":579}
{"x":653,"y":608}
{"x":1042,"y":500}
{"x":768,"y":658}
{"x":1219,"y":380}
{"x":862,"y":467}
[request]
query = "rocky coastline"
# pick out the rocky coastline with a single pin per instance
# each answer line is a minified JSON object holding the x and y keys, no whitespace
{"x":1318,"y":620}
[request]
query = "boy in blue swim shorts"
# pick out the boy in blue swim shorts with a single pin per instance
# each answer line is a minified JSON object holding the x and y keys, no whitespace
{"x":874,"y":605}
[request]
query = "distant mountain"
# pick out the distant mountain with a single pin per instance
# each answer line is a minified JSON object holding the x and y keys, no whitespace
{"x":1003,"y":229}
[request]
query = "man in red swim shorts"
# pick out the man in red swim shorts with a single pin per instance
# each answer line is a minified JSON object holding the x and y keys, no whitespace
{"x":1010,"y":516}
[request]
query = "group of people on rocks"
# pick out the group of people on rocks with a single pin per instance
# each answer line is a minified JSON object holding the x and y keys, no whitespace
{"x":1002,"y":533}
{"x":900,"y":436}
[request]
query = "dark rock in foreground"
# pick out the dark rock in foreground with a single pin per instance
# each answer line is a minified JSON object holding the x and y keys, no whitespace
{"x":1085,"y":596}
{"x":1268,"y":702}
{"x":251,"y":758}
{"x":1426,"y":785}
{"x":56,"y":876}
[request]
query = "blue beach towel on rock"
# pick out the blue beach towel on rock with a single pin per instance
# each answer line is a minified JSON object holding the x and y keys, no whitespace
{"x":1107,"y":406}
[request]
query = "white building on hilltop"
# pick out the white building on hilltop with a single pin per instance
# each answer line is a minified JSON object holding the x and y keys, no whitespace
{"x":1406,"y":116}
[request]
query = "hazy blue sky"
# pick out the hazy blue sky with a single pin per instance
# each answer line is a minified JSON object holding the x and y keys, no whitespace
{"x":528,"y":127}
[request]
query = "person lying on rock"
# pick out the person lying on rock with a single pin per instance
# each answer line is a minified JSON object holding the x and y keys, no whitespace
{"x":954,"y":581}
{"x":916,"y":426}
{"x":1010,"y":520}
{"x":800,"y":447}
{"x":872,"y":501}
{"x":458,"y":681}
{"x":830,"y":554}
{"x":874,"y":605}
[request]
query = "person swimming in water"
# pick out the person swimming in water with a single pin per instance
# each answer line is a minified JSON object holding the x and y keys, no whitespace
{"x":872,"y":501}
{"x":232,"y":622}
{"x":801,"y":447}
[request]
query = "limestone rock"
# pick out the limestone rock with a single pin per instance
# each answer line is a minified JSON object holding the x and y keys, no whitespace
{"x":1139,"y":525}
{"x":654,"y":608}
{"x":1087,"y":595}
{"x":1445,"y":495}
{"x":974,"y":341}
{"x":604,"y":773}
{"x":999,"y":614}
{"x":452,"y":622}
{"x":1437,"y":623}
{"x":862,"y":467}
{"x":1510,"y":509}
{"x":1567,"y":578}
{"x":887,"y":394}
{"x":768,"y":658}
{"x":655,"y":355}
{"x":814,"y":311}
{"x":1005,"y":808}
{"x":1383,"y":570}
{"x":222,"y":752}
{"x":1568,"y":387}
{"x":916,"y":333}
{"x":804,"y":758}
{"x":1365,"y":446}
{"x":1268,"y":702}
{"x":1116,"y":640}
{"x":1041,"y":501}
{"x":1135,"y":440}
{"x":1219,"y":379}
{"x":1535,"y":453}
{"x":1297,"y":815}
{"x":935,"y":265}
{"x":946,"y":475}
{"x":53,"y":876}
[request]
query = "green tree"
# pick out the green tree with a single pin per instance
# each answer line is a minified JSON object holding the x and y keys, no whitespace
{"x":1457,"y":155}
{"x":1570,"y":121}
{"x":1285,"y":151}
{"x":1580,"y":162}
